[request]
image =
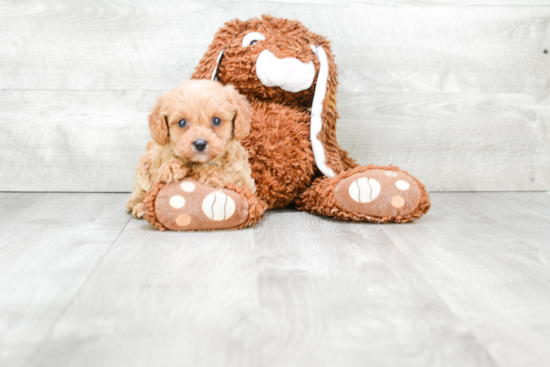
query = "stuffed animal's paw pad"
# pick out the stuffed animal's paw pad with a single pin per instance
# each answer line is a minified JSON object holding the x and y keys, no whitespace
{"x":187,"y":186}
{"x":378,"y":193}
{"x":218,"y":206}
{"x":364,"y":190}
{"x":190,"y":205}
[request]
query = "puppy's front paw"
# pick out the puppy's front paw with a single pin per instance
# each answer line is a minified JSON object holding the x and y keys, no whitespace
{"x":138,"y":210}
{"x":171,"y":171}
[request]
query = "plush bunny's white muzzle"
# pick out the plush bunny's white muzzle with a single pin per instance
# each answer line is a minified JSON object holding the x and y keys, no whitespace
{"x":289,"y":74}
{"x":294,"y":76}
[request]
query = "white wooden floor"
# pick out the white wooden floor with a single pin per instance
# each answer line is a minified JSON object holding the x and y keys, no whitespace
{"x":82,"y":284}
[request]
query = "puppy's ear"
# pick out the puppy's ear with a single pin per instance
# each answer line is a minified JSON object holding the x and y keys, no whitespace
{"x":158,"y":123}
{"x":243,"y":115}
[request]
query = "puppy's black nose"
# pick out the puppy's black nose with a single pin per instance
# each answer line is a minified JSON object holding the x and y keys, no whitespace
{"x":200,"y":144}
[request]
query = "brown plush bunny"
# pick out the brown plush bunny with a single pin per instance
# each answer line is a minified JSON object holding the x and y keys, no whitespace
{"x":289,"y":76}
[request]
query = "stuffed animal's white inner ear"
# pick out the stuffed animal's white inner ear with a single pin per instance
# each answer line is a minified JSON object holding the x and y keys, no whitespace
{"x":316,"y":112}
{"x":217,"y":63}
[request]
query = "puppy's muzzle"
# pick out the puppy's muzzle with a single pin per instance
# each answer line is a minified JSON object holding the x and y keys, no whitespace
{"x":200,"y":144}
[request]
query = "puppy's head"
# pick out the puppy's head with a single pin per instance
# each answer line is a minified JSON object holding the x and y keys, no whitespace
{"x":199,"y":118}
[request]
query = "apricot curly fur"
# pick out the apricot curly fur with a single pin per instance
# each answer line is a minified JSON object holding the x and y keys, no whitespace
{"x":172,"y":155}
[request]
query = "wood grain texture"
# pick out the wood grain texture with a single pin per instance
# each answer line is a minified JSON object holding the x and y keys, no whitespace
{"x":49,"y":245}
{"x":72,"y":140}
{"x":487,"y":256}
{"x":405,"y":2}
{"x":92,"y":140}
{"x":467,"y":285}
{"x":335,"y":293}
{"x":454,"y":92}
{"x":452,"y":142}
{"x":163,"y":299}
{"x":404,"y":47}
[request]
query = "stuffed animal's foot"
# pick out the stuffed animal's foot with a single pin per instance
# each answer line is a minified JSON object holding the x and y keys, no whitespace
{"x":188,"y":205}
{"x":379,"y":193}
{"x":372,"y":194}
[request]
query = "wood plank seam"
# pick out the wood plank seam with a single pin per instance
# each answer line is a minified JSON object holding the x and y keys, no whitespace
{"x":67,"y":306}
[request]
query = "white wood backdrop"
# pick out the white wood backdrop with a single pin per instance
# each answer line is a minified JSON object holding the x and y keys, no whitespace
{"x":456,"y":92}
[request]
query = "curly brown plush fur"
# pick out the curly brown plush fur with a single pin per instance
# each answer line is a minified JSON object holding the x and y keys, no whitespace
{"x":279,"y":147}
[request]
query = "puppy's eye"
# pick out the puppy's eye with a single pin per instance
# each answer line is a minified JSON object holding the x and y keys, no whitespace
{"x":182,"y":123}
{"x":216,"y":121}
{"x":252,"y":38}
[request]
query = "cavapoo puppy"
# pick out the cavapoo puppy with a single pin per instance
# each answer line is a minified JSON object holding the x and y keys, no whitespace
{"x":196,"y":128}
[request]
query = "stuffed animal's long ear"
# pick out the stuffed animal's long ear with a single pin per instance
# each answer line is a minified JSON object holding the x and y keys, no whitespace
{"x":208,"y":66}
{"x":324,"y":115}
{"x":158,"y":124}
{"x":243,"y":115}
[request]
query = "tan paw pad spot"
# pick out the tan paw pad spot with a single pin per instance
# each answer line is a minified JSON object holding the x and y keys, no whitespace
{"x":183,"y":219}
{"x":218,"y":206}
{"x":397,"y":201}
{"x":177,"y":202}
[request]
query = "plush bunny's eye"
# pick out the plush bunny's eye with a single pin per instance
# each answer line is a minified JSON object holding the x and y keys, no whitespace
{"x":182,"y":123}
{"x":252,"y":38}
{"x":216,"y":121}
